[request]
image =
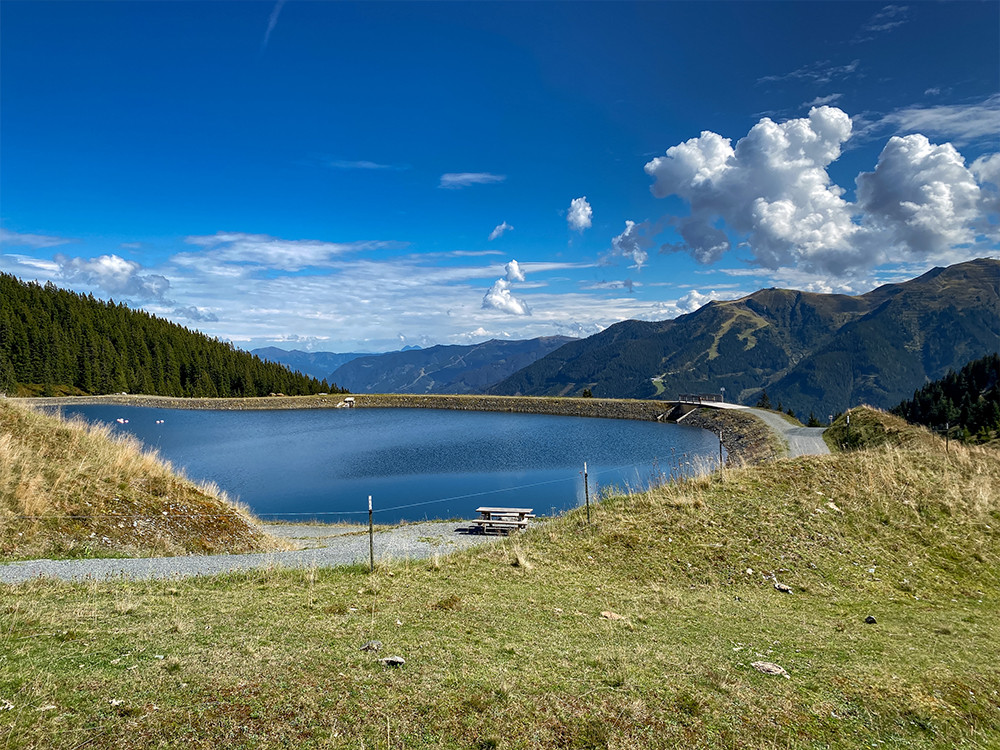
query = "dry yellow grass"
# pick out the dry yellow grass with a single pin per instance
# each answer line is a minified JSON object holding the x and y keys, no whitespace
{"x":70,"y":489}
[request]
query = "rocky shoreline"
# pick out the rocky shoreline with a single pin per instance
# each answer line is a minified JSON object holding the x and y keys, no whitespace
{"x":746,"y":439}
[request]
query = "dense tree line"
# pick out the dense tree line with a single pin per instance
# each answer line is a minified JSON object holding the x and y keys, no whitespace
{"x":967,"y":400}
{"x":52,"y":337}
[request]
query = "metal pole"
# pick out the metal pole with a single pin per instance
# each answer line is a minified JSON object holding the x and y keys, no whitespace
{"x":947,"y":429}
{"x":721,"y":464}
{"x":371,"y":536}
{"x":586,"y":490}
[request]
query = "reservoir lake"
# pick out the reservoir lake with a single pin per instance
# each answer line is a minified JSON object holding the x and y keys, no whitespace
{"x":322,"y":464}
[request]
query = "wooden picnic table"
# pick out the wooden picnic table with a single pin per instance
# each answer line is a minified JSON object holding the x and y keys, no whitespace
{"x":502,"y":519}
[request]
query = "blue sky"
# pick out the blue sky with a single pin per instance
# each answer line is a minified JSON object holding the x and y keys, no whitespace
{"x":361,"y":176}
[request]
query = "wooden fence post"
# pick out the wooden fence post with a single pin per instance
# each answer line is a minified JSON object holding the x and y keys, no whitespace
{"x":371,"y":536}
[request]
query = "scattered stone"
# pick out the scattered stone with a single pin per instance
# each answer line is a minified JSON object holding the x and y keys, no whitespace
{"x":609,"y":615}
{"x":870,"y":620}
{"x":783,"y":588}
{"x":371,"y":646}
{"x":749,"y":571}
{"x":393,"y":661}
{"x":770,"y":668}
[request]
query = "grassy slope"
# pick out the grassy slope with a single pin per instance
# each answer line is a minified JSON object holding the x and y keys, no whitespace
{"x":67,"y":490}
{"x":505,"y":646}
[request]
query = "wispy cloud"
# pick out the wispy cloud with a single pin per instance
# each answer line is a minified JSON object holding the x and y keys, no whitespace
{"x":634,"y":243}
{"x":821,"y":72}
{"x":365,"y":165}
{"x":195,"y":314}
{"x":819,"y":101}
{"x":961,"y":123}
{"x":242,"y":251}
{"x":499,"y":229}
{"x":458,"y":180}
{"x":18,"y":239}
{"x":272,"y":21}
{"x":627,"y":284}
{"x":890,"y":17}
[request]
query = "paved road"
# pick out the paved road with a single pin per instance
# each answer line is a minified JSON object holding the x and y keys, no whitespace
{"x":800,"y":441}
{"x":325,"y":547}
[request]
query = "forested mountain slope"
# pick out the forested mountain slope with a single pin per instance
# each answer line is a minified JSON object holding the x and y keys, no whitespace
{"x":56,"y":341}
{"x":967,"y":402}
{"x":813,"y":352}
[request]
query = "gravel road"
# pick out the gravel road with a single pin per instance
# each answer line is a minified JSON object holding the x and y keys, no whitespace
{"x":325,"y":546}
{"x":802,"y":441}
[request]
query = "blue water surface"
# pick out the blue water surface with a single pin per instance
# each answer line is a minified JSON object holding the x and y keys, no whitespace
{"x":416,"y":464}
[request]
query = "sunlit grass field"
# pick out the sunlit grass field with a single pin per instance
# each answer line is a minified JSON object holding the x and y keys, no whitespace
{"x":637,"y":630}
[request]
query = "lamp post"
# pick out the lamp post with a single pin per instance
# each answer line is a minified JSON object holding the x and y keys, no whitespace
{"x":723,"y":394}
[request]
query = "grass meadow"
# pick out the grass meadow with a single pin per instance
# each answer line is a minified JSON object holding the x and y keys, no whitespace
{"x":638,"y":630}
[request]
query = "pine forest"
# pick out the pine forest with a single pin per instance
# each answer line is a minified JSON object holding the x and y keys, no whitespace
{"x":57,"y":342}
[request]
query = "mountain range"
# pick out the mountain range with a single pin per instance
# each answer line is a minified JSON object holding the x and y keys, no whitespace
{"x":443,"y":369}
{"x":812,"y":352}
{"x":314,"y":364}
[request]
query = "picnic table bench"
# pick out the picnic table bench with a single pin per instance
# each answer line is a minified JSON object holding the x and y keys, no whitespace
{"x":502,"y":519}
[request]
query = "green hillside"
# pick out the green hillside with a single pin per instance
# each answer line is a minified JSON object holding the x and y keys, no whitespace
{"x":813,"y":352}
{"x":53,"y":341}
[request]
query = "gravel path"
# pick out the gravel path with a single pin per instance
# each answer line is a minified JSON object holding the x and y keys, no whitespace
{"x":326,"y":546}
{"x":802,"y":441}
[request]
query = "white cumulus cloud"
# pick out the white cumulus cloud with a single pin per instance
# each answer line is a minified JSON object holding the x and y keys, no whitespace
{"x":920,"y":196}
{"x":499,"y":229}
{"x":580,"y":214}
{"x":113,"y":275}
{"x":773,"y":192}
{"x":695,"y":300}
{"x":499,"y":296}
{"x":514,"y":271}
